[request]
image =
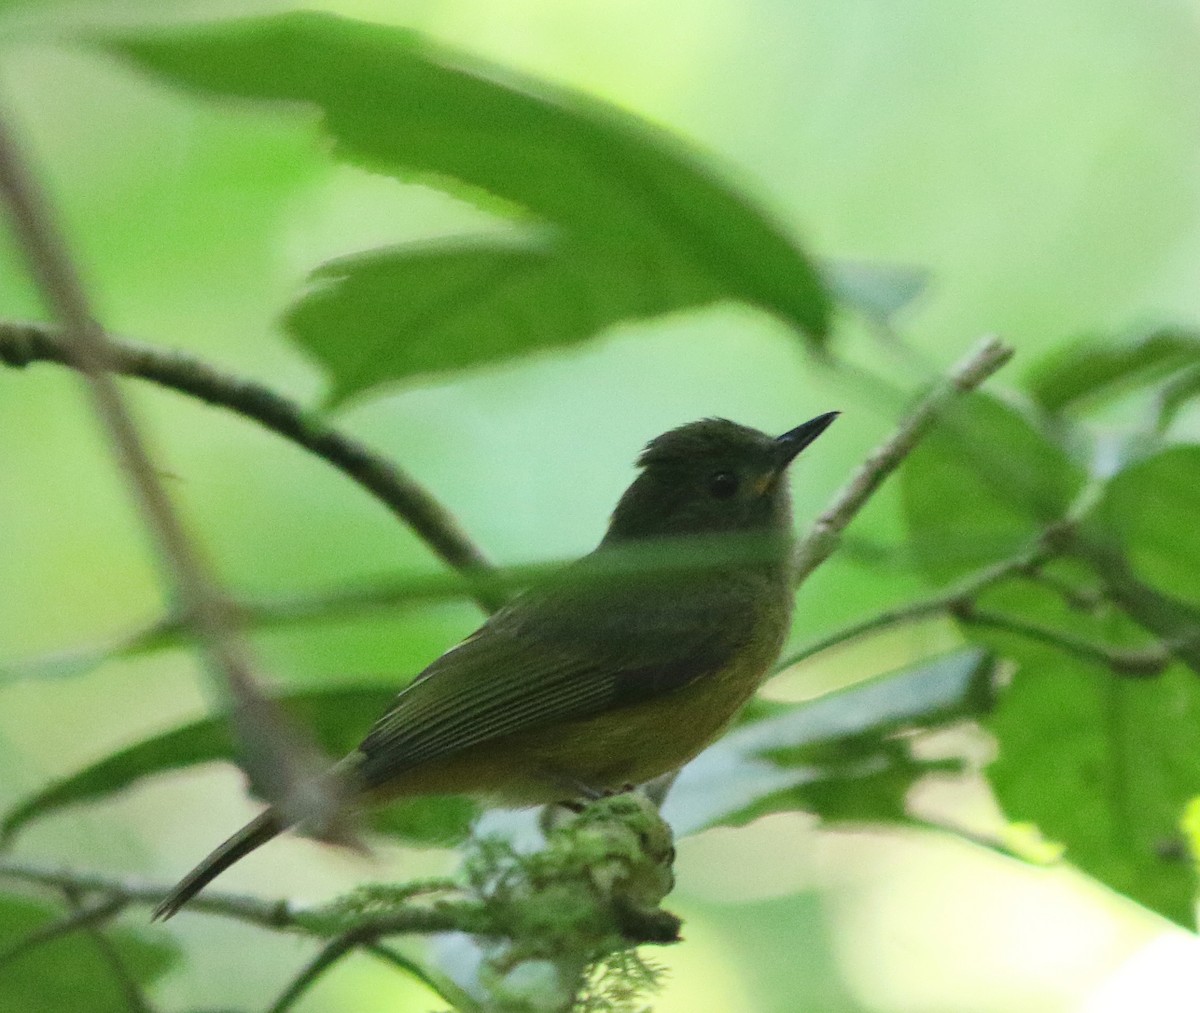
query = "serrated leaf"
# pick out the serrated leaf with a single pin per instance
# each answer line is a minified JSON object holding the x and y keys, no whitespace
{"x":615,"y":203}
{"x":338,"y":718}
{"x":981,"y":486}
{"x":1095,"y":368}
{"x":838,"y":757}
{"x":70,"y":973}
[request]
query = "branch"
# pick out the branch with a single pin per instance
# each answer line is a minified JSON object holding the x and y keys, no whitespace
{"x":280,"y":915}
{"x":439,"y":984}
{"x":326,"y":957}
{"x":940,"y":604}
{"x":25,"y":343}
{"x":593,"y":890}
{"x":1174,"y":622}
{"x":1136,"y":664}
{"x":821,"y":541}
{"x":284,"y":764}
{"x":365,"y":938}
{"x":144,"y":893}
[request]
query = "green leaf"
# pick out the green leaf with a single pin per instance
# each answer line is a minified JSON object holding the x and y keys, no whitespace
{"x":1093,"y":368}
{"x":840,"y":756}
{"x":623,"y":215}
{"x":70,"y":973}
{"x":338,"y":718}
{"x":1105,"y":766}
{"x":1150,"y":511}
{"x":449,"y":306}
{"x":981,"y":486}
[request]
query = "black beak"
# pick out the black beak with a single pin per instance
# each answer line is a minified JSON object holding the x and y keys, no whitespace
{"x":795,"y":440}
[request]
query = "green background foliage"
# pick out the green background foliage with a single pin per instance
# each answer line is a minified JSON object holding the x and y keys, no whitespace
{"x":685,"y":211}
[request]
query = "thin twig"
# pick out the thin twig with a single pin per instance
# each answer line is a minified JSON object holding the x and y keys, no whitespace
{"x":1080,"y":599}
{"x":366,"y":937}
{"x":1133,"y":663}
{"x":1176,"y":623}
{"x":132,"y":891}
{"x":688,"y":556}
{"x":281,"y":915}
{"x":25,"y":343}
{"x":284,"y":764}
{"x":822,"y":539}
{"x":326,"y":957}
{"x":135,"y":997}
{"x":78,"y":919}
{"x":938,"y":604}
{"x":458,"y":998}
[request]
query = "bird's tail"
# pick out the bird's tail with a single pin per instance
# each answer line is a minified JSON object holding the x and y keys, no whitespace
{"x":253,"y":835}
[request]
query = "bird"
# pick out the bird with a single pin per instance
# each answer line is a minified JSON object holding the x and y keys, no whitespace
{"x":602,"y":677}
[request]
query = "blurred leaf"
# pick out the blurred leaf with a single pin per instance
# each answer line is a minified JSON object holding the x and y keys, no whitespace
{"x":1177,"y":393}
{"x":452,"y":305}
{"x":981,"y":486}
{"x":623,"y":205}
{"x":785,"y":953}
{"x":841,"y":756}
{"x":69,"y":973}
{"x":878,"y":291}
{"x":1105,"y":766}
{"x":337,"y":717}
{"x":1150,"y":510}
{"x":1094,"y":368}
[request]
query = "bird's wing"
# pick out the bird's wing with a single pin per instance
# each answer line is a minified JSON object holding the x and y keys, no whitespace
{"x":537,"y":664}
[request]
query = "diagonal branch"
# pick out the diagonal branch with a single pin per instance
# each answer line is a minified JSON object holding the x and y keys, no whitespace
{"x":329,"y":954}
{"x":24,"y":343}
{"x":285,"y":765}
{"x":823,"y":538}
{"x":441,"y":985}
{"x":943,"y":603}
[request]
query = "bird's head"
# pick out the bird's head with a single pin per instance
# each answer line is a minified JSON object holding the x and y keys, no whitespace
{"x":712,"y":477}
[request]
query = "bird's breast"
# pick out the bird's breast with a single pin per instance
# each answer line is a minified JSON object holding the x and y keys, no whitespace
{"x":637,"y":743}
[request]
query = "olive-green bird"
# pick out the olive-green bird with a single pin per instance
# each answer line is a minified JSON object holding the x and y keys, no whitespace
{"x":584,"y":686}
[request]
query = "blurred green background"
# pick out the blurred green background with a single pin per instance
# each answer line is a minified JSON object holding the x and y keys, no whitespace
{"x":1040,"y":160}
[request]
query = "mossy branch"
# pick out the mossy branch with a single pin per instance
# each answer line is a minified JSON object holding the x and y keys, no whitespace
{"x":546,"y":920}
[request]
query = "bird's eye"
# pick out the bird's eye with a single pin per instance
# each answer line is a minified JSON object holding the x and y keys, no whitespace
{"x":723,"y":484}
